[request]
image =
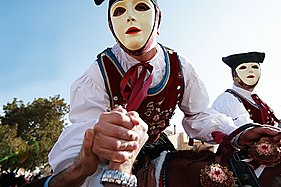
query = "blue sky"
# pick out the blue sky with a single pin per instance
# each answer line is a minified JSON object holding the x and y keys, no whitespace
{"x":46,"y":45}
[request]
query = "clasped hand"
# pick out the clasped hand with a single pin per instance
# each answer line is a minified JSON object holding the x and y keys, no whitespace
{"x":117,"y":138}
{"x":266,"y":133}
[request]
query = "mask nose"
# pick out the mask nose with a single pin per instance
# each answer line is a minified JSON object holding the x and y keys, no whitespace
{"x":129,"y":19}
{"x":131,"y":15}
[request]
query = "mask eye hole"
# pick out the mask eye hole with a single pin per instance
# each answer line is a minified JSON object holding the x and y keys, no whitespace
{"x":119,"y":11}
{"x":242,"y":68}
{"x":255,"y":66}
{"x":142,"y":7}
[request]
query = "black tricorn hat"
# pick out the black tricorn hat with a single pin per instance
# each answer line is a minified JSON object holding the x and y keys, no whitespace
{"x":235,"y":60}
{"x":99,"y":2}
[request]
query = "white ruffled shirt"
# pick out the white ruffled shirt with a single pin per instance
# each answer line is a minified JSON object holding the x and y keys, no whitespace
{"x":88,"y":99}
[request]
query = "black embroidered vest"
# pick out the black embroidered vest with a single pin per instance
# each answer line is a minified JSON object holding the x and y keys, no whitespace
{"x":160,"y":103}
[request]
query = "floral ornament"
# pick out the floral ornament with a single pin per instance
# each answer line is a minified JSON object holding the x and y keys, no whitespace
{"x":265,"y":153}
{"x":215,"y":175}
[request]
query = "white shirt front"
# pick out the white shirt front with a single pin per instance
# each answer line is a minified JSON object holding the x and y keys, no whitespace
{"x":230,"y":105}
{"x":89,"y":99}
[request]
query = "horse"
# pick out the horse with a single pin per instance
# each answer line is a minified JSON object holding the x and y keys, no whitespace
{"x":188,"y":167}
{"x":183,"y":168}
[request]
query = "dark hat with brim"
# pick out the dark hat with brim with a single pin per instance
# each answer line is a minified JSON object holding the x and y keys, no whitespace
{"x":99,"y":2}
{"x":235,"y":60}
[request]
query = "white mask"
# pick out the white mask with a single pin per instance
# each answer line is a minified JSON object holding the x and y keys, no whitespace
{"x":133,"y":22}
{"x":249,"y":72}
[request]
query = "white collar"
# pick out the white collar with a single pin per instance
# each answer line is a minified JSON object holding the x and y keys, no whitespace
{"x":127,"y":61}
{"x":158,"y":62}
{"x":245,"y":93}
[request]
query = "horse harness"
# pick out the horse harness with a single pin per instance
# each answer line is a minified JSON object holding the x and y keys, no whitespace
{"x":244,"y":173}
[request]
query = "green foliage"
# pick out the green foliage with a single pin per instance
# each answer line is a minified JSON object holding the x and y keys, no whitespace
{"x":29,"y":131}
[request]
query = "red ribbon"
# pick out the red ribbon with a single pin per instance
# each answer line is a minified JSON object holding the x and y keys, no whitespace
{"x":139,"y":86}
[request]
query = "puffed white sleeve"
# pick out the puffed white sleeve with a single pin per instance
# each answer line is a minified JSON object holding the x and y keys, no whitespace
{"x":199,"y":120}
{"x":88,"y":99}
{"x":231,"y":106}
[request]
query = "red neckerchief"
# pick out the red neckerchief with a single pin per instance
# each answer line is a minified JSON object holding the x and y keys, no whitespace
{"x":139,"y":86}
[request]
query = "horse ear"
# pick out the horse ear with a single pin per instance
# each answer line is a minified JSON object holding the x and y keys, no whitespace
{"x":98,"y":2}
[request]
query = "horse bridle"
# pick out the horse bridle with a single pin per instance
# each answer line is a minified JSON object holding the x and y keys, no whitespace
{"x":245,"y":175}
{"x":229,"y":138}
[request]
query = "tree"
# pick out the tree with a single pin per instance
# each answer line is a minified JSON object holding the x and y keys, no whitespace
{"x":29,"y":131}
